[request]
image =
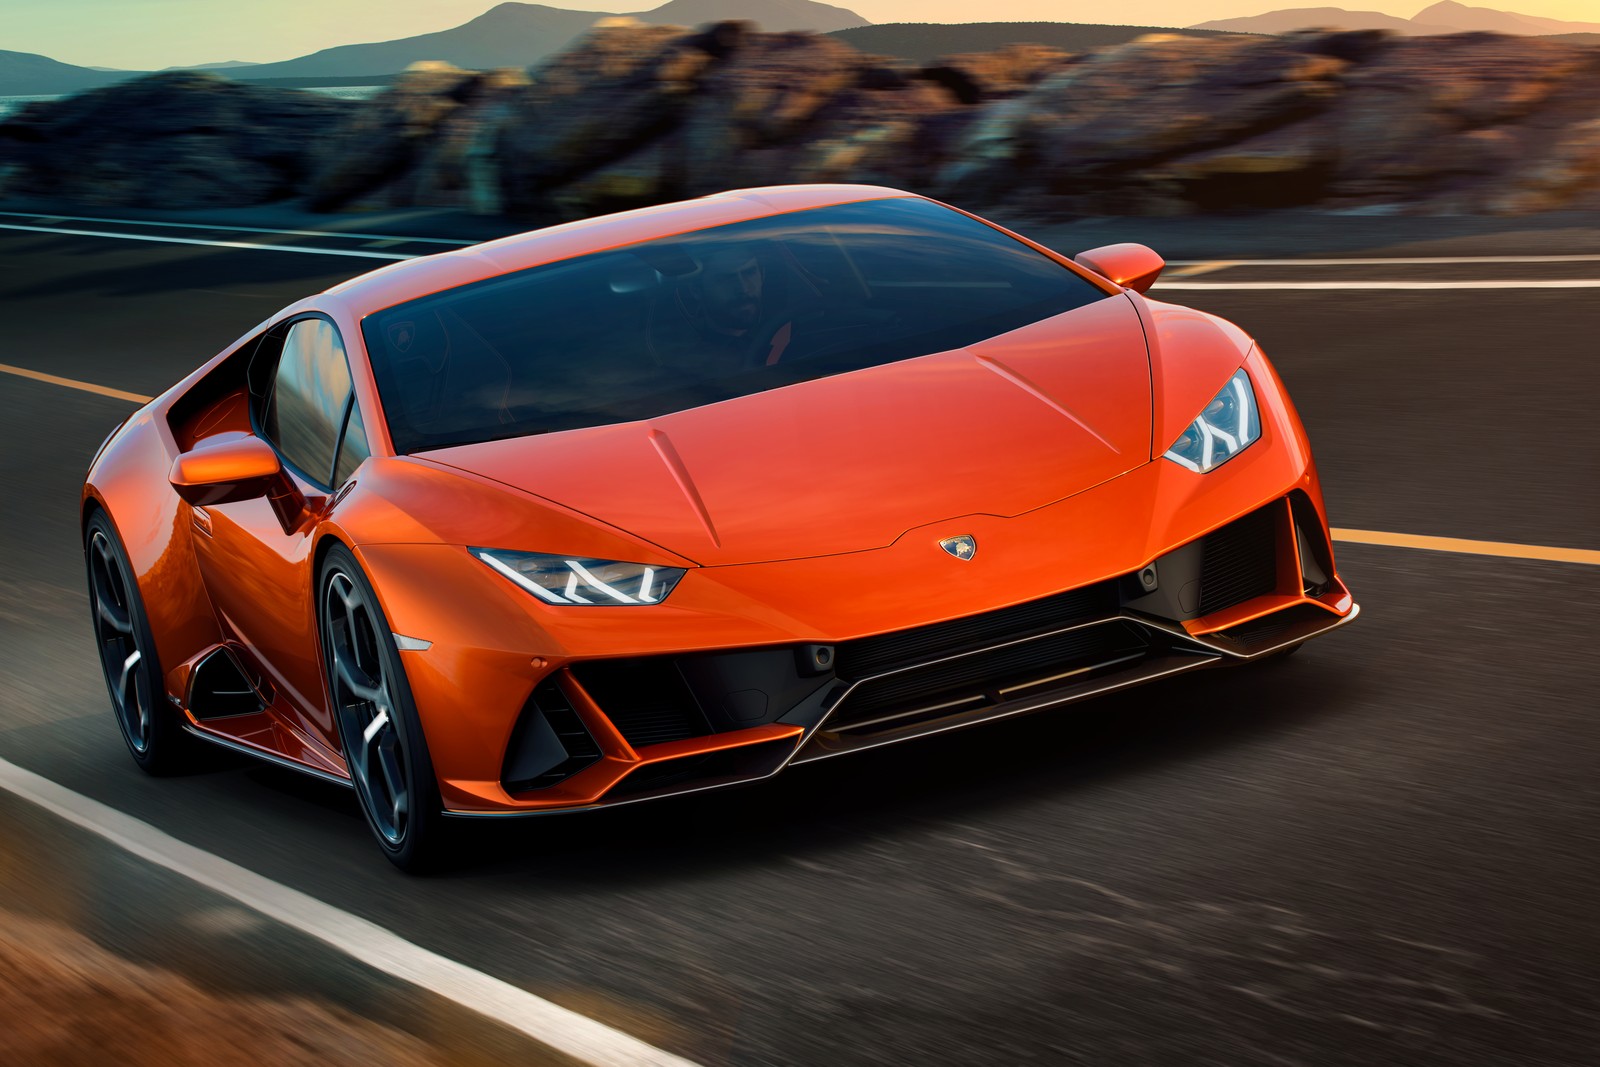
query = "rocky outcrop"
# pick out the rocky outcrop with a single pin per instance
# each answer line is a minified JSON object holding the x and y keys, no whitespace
{"x":1169,"y":125}
{"x":182,"y":139}
{"x":425,"y":141}
{"x":635,"y":114}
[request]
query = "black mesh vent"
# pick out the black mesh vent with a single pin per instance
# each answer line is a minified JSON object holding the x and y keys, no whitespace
{"x":979,"y":678}
{"x":867,"y":656}
{"x":551,"y":703}
{"x":1239,"y":561}
{"x":646,"y":699}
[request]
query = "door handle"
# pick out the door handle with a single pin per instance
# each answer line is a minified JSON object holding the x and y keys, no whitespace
{"x":202,"y":520}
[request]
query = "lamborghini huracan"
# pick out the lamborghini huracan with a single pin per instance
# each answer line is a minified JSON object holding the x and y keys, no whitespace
{"x":671,"y":499}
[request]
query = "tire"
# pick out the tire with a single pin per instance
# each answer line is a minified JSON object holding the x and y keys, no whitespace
{"x":379,"y":729}
{"x":152,"y":728}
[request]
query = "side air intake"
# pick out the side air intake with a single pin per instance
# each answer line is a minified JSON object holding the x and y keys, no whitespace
{"x":550,"y":743}
{"x":218,"y":688}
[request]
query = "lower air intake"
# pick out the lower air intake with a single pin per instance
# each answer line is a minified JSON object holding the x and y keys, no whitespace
{"x":1239,"y":561}
{"x":550,"y":743}
{"x":987,"y":677}
{"x":646,"y":699}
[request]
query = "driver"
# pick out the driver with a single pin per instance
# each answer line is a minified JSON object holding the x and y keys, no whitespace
{"x":724,"y":304}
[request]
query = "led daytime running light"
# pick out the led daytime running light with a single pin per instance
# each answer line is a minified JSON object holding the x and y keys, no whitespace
{"x":1227,"y":426}
{"x":565,"y":581}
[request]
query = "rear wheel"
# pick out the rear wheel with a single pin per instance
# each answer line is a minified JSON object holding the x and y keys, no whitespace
{"x":127,"y":648}
{"x":378,"y":724}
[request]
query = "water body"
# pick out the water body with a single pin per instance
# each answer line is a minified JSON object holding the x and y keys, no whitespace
{"x":9,"y":104}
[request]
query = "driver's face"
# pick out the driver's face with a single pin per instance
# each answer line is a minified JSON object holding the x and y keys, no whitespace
{"x":730,"y":292}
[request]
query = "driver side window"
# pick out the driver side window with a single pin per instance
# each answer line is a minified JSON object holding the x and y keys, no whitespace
{"x":310,"y":403}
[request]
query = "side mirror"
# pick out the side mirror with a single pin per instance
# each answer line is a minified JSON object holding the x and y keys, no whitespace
{"x":1132,"y":266}
{"x":229,"y":466}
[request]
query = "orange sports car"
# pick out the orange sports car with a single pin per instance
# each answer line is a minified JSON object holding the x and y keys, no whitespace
{"x":671,"y":499}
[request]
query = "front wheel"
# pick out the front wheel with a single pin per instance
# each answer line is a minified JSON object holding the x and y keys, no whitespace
{"x":378,"y":724}
{"x":127,"y":647}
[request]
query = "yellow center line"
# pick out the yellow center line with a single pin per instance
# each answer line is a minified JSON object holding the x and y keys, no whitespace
{"x":72,"y":383}
{"x":1355,"y":537}
{"x":1474,"y":548}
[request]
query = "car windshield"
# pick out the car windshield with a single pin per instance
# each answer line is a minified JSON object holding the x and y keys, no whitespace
{"x":664,"y":325}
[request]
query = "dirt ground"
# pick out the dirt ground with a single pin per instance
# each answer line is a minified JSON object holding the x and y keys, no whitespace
{"x":66,"y":1001}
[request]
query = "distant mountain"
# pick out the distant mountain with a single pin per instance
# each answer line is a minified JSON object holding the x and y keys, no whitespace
{"x":517,"y":35}
{"x":1463,"y":17}
{"x":771,"y":15}
{"x":26,"y":74}
{"x":923,"y":41}
{"x":510,"y":35}
{"x":226,"y":64}
{"x":1444,"y":17}
{"x":1300,"y":18}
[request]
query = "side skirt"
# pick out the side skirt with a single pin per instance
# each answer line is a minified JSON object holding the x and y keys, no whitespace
{"x":269,"y":757}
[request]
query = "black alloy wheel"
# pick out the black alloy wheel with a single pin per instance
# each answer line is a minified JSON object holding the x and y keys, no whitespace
{"x":133,"y":675}
{"x":378,"y":724}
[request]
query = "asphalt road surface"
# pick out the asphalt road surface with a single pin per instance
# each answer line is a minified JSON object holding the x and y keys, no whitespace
{"x":1383,"y":850}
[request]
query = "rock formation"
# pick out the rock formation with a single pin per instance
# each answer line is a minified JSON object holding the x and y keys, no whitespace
{"x":634,"y":114}
{"x":180,"y":139}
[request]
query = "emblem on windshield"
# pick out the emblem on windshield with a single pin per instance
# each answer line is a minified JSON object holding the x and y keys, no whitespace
{"x":401,"y":334}
{"x":963,"y":547}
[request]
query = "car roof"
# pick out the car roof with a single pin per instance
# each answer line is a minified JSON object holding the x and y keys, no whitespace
{"x":410,"y":279}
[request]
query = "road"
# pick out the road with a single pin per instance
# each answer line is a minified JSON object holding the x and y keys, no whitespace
{"x":1384,"y":850}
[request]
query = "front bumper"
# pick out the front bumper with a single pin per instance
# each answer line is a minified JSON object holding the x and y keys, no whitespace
{"x":597,"y":733}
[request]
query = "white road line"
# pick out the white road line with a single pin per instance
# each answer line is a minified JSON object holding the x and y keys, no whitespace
{"x":1384,"y":262}
{"x":241,"y":229}
{"x":209,"y":244}
{"x":1509,"y":283}
{"x":1559,"y":283}
{"x":578,"y":1036}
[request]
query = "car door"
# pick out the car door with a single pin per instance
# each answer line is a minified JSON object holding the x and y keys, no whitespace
{"x":256,"y":560}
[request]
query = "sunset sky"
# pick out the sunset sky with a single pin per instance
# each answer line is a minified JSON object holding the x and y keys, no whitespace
{"x":148,"y":34}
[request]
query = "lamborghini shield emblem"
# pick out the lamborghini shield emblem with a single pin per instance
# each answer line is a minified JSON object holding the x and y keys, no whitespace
{"x":962,"y":547}
{"x":401,"y":334}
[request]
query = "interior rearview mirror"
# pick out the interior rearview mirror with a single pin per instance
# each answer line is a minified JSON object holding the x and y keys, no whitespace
{"x":1132,"y":266}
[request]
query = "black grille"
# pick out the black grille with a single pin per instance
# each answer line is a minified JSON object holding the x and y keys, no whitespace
{"x":550,"y":702}
{"x":982,"y":677}
{"x":867,"y":656}
{"x":1239,"y":561}
{"x":646,"y":699}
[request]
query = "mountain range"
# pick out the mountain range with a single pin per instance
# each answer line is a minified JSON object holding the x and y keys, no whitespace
{"x":508,"y":35}
{"x":518,"y":34}
{"x":1445,"y":17}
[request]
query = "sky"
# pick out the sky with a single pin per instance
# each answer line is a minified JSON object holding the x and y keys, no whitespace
{"x":150,"y":34}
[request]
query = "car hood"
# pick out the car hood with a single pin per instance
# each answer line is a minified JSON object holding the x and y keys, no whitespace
{"x":851,"y":462}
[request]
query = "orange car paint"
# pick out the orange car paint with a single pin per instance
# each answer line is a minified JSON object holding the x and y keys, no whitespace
{"x":240,"y":572}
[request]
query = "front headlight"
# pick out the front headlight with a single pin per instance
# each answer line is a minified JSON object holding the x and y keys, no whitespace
{"x":593,"y":582}
{"x":1227,"y":425}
